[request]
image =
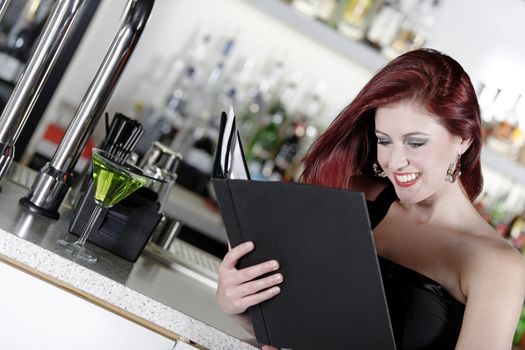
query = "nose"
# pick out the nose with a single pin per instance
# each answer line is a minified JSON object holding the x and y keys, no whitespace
{"x":398,"y":158}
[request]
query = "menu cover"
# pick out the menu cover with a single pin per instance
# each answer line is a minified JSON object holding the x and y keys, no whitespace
{"x":332,"y":295}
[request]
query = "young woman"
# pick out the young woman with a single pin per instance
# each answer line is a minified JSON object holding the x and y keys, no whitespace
{"x":411,"y":141}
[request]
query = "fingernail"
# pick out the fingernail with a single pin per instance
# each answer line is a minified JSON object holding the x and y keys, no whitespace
{"x":249,"y":245}
{"x":278,"y":278}
{"x":275,"y":265}
{"x":276,"y":290}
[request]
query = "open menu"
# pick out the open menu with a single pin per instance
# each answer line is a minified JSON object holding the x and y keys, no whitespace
{"x":332,"y":296}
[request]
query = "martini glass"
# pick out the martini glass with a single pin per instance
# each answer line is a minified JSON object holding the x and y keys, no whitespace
{"x":112,"y":182}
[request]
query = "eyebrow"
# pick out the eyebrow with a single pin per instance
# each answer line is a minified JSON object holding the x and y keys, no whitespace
{"x":415,"y":133}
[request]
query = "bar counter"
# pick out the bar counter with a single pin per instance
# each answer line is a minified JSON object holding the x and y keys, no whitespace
{"x":148,"y":293}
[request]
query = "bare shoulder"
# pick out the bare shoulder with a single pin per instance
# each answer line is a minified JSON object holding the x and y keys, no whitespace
{"x":491,"y":259}
{"x":493,"y":281}
{"x":369,"y":186}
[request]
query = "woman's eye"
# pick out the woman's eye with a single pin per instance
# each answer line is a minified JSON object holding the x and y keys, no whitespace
{"x":416,"y":144}
{"x":383,"y":142}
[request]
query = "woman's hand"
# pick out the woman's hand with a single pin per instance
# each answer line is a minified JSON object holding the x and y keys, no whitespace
{"x":237,"y":290}
{"x":269,"y":347}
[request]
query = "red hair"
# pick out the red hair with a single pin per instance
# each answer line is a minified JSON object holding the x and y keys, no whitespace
{"x":427,"y":77}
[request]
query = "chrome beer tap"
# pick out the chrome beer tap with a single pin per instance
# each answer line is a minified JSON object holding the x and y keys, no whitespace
{"x":4,"y":4}
{"x":48,"y":47}
{"x":54,"y":179}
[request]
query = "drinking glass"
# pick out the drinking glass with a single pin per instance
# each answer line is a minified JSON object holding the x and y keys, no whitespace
{"x":112,"y":182}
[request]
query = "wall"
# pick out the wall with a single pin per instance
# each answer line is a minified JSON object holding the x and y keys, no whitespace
{"x":486,"y":38}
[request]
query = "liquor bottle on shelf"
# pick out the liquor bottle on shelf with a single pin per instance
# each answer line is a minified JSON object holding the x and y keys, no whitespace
{"x":508,"y":203}
{"x":306,"y":7}
{"x":21,"y":39}
{"x":182,"y":92}
{"x":517,"y":136}
{"x":263,"y":146}
{"x":355,"y":18}
{"x":258,"y":98}
{"x":385,"y":24}
{"x":420,"y":17}
{"x":196,"y":139}
{"x":487,"y":100}
{"x":521,"y":155}
{"x":507,"y":123}
{"x":517,"y":231}
{"x":164,"y":113}
{"x":207,"y":90}
{"x":321,"y":9}
{"x":300,"y":135}
{"x":507,"y":136}
{"x":519,"y":334}
{"x":236,"y":85}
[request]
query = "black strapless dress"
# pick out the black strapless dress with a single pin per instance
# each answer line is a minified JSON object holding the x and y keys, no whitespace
{"x":423,"y":314}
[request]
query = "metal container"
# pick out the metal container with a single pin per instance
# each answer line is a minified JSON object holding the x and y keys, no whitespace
{"x":161,"y":162}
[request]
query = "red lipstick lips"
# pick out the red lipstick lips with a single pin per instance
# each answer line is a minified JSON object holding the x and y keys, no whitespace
{"x":405,"y":184}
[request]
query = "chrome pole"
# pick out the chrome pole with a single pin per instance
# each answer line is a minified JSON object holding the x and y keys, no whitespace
{"x":4,"y":4}
{"x":48,"y":47}
{"x":54,"y":179}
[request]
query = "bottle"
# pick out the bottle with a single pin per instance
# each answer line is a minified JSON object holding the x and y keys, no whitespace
{"x":517,"y":135}
{"x":163,"y":119}
{"x":306,"y":7}
{"x":258,"y":98}
{"x":235,"y":88}
{"x":196,"y":140}
{"x":299,"y":137}
{"x":261,"y":150}
{"x":521,"y":155}
{"x":321,"y":9}
{"x":206,"y":92}
{"x":507,"y":123}
{"x":182,"y":92}
{"x":385,"y":24}
{"x":326,"y":10}
{"x":487,"y":100}
{"x":21,"y":39}
{"x":189,"y":71}
{"x":355,"y":18}
{"x":519,"y":339}
{"x":517,"y":231}
{"x":506,"y":136}
{"x":420,"y":18}
{"x":264,"y":145}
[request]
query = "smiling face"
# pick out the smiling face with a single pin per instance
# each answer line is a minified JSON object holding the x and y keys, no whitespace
{"x":415,"y":151}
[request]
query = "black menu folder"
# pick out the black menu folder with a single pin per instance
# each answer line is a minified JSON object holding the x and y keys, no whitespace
{"x":332,"y":295}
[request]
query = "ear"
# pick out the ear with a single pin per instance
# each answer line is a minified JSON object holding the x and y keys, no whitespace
{"x":464,"y":145}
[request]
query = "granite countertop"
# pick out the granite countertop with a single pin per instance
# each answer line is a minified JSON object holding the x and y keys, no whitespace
{"x":152,"y":294}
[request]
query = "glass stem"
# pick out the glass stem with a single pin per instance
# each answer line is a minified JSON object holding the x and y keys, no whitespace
{"x":89,"y":227}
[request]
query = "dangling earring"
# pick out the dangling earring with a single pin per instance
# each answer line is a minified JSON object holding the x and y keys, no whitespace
{"x":378,"y":172}
{"x":454,"y":170}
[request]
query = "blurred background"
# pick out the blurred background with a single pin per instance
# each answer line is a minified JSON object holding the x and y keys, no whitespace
{"x":288,"y":68}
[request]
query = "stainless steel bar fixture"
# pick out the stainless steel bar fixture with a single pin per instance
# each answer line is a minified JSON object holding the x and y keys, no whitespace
{"x":4,"y":4}
{"x":48,"y":47}
{"x":54,"y":179}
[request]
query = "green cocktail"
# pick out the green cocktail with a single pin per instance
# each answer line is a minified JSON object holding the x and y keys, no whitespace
{"x":112,"y":182}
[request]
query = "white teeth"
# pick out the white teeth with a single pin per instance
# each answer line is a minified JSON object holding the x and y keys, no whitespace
{"x":407,"y":178}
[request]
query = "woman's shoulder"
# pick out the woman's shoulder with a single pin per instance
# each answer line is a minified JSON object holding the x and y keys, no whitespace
{"x":488,"y":245}
{"x":369,"y":186}
{"x":490,"y":257}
